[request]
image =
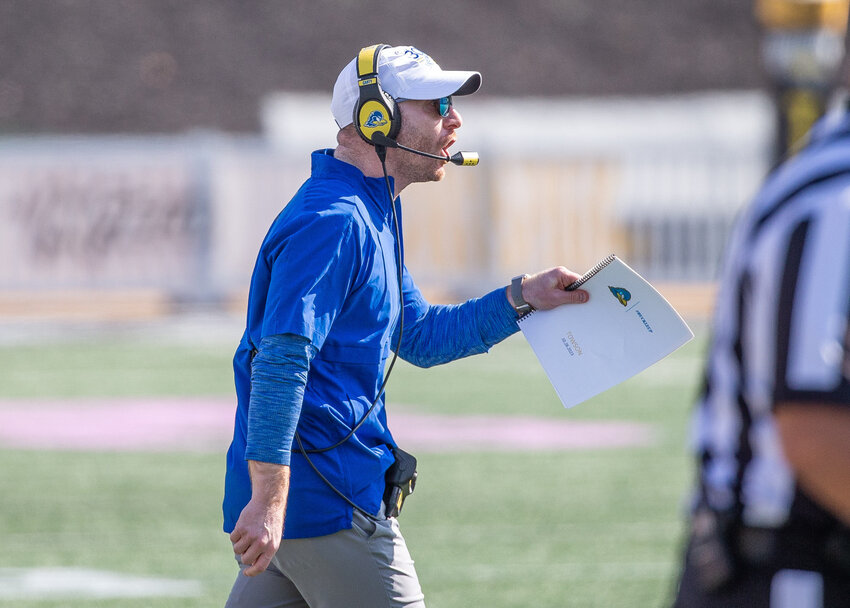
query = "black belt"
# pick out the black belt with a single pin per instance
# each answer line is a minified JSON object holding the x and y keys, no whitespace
{"x":782,"y":548}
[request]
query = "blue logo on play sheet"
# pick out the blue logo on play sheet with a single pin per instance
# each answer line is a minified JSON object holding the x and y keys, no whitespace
{"x":623,"y":296}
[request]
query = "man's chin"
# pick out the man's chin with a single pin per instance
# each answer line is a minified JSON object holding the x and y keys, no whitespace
{"x":430,"y":176}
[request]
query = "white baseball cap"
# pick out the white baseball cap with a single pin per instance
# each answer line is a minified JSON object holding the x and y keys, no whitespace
{"x":404,"y":72}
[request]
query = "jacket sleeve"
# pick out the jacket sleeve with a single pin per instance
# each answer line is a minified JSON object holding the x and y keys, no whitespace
{"x":435,"y":334}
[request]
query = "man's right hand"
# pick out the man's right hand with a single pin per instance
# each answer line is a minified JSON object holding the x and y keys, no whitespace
{"x":258,"y":532}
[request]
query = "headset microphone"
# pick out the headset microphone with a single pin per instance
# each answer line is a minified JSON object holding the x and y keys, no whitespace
{"x":464,"y":159}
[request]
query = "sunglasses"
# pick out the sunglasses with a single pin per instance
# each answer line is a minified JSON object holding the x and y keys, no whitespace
{"x":443,"y":105}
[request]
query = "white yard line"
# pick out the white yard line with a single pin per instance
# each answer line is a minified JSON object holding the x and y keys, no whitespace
{"x":64,"y":583}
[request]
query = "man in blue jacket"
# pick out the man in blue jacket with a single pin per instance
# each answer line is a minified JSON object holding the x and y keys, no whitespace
{"x":329,"y":298}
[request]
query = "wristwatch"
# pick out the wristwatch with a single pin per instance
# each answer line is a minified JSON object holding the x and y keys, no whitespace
{"x":520,"y":305}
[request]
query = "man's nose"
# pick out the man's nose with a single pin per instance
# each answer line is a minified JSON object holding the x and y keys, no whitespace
{"x":453,"y":120}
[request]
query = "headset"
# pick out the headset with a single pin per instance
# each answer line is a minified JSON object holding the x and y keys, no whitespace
{"x":376,"y":112}
{"x":377,"y":118}
{"x":379,"y":115}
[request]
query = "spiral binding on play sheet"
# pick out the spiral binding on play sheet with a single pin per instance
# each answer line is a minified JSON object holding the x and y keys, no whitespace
{"x":590,"y":273}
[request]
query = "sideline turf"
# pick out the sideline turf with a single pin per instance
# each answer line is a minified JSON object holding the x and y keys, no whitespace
{"x":590,"y":528}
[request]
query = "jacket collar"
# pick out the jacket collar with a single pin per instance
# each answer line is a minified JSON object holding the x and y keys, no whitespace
{"x":325,"y":166}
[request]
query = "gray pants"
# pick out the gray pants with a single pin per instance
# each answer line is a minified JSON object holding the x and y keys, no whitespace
{"x":367,"y":566}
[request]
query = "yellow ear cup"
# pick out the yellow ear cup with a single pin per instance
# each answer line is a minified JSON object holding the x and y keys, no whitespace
{"x":376,"y":111}
{"x":373,"y":118}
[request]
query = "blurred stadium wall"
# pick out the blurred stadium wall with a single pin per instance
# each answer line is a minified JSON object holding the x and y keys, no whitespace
{"x":176,"y":221}
{"x":144,"y":148}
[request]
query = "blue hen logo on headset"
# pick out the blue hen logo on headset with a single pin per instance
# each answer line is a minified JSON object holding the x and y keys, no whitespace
{"x":376,"y":119}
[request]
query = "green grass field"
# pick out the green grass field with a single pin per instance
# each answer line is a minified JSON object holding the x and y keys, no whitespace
{"x":582,"y":528}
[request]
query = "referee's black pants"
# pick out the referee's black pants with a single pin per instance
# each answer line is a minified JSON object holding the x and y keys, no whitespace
{"x":766,"y":586}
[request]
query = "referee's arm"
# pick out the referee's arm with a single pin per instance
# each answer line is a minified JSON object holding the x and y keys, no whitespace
{"x":811,"y":399}
{"x":816,"y":441}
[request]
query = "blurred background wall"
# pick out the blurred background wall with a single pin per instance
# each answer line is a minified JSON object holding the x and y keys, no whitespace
{"x":146,"y":145}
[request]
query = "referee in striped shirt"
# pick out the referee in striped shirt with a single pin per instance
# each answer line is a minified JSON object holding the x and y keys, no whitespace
{"x":770,"y":525}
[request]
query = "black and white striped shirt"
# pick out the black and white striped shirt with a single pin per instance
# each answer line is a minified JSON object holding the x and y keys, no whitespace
{"x":780,"y":330}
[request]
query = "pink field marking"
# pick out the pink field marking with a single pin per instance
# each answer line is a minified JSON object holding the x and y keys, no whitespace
{"x":516,"y":433}
{"x":204,"y":425}
{"x":117,"y":424}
